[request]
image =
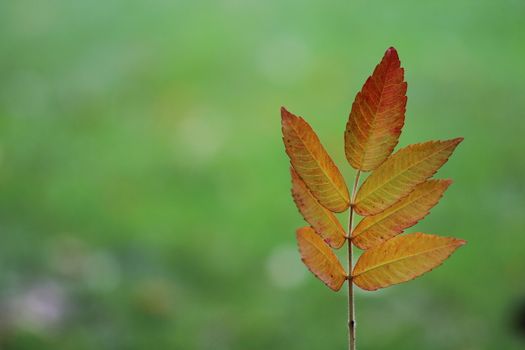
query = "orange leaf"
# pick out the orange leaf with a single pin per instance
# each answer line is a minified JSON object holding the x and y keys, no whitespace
{"x":401,"y":259}
{"x":322,"y":220}
{"x":373,"y":230}
{"x":399,"y":174}
{"x":377,"y":116}
{"x":320,"y":259}
{"x":313,"y":164}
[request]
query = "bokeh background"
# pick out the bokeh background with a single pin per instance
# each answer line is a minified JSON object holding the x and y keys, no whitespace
{"x":144,"y":190}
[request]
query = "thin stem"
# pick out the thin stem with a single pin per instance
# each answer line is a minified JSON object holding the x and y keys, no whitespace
{"x":351,"y":306}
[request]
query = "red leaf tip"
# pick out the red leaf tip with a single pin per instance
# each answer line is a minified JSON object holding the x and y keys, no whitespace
{"x":285,"y":115}
{"x":448,"y":182}
{"x":457,"y":140}
{"x":391,"y":51}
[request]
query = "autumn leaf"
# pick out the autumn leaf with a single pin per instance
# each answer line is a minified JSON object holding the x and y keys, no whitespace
{"x":395,"y":196}
{"x":320,"y":259}
{"x":313,"y":164}
{"x":377,"y":116}
{"x":322,"y":220}
{"x":400,"y":173}
{"x":375,"y":229}
{"x":401,"y":259}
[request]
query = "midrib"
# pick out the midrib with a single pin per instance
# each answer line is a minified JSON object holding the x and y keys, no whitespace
{"x":401,"y":259}
{"x":316,"y":161}
{"x":404,"y":170}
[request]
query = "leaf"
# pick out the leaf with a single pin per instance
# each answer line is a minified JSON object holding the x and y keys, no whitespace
{"x":401,"y":259}
{"x":322,"y":220}
{"x":377,"y":116}
{"x":400,"y":173}
{"x":313,"y":164}
{"x":373,"y":230}
{"x":320,"y":259}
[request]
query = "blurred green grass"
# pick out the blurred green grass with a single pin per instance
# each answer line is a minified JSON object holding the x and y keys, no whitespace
{"x":144,"y":192}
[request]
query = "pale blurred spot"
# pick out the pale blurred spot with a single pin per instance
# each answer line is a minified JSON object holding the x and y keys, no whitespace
{"x":202,"y":137}
{"x":285,"y":60}
{"x":284,"y":267}
{"x":102,"y":71}
{"x":101,"y":272}
{"x":71,"y":257}
{"x":39,"y":308}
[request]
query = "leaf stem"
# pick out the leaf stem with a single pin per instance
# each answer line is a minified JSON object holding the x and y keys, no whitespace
{"x":351,"y":306}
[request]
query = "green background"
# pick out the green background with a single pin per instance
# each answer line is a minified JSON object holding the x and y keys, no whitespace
{"x":144,"y":190}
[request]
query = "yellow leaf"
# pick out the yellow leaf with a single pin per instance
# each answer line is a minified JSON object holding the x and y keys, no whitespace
{"x":400,"y":173}
{"x":322,"y":220}
{"x":377,"y":116}
{"x":320,"y":259}
{"x":401,"y":259}
{"x":375,"y":229}
{"x":313,"y":164}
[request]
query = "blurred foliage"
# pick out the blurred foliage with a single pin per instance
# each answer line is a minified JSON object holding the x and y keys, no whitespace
{"x":144,"y":191}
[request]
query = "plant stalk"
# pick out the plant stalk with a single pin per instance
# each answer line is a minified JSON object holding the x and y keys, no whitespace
{"x":351,"y":306}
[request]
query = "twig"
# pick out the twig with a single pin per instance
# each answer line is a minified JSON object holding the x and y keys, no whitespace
{"x":351,"y":308}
